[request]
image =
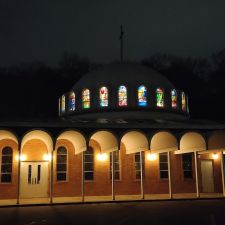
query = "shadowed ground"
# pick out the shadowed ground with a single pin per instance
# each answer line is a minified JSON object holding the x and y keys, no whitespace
{"x":182,"y":212}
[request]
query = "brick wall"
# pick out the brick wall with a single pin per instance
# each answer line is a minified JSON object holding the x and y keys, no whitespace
{"x":101,"y":185}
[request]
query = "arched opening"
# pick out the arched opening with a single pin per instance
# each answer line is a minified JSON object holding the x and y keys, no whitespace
{"x":76,"y":138}
{"x":67,"y":166}
{"x":212,"y":164}
{"x":133,"y":143}
{"x":163,"y":141}
{"x":36,"y":148}
{"x":191,"y":142}
{"x":8,"y":164}
{"x":97,"y":165}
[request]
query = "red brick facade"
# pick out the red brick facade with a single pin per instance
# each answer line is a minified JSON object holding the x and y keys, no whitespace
{"x":101,"y":185}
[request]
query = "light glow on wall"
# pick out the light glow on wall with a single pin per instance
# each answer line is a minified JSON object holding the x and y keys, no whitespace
{"x":23,"y":157}
{"x":102,"y":157}
{"x":151,"y":156}
{"x":47,"y":157}
{"x":215,"y":156}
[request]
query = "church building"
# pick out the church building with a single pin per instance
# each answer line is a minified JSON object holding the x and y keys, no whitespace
{"x":124,"y":133}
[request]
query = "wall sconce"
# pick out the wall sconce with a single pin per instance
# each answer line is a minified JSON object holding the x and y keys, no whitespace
{"x":151,"y":156}
{"x":47,"y":157}
{"x":102,"y":157}
{"x":215,"y":156}
{"x":23,"y":157}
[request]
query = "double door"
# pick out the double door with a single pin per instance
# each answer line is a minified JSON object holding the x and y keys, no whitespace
{"x":34,"y":180}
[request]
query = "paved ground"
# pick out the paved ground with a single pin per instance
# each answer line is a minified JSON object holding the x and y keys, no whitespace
{"x":202,"y":212}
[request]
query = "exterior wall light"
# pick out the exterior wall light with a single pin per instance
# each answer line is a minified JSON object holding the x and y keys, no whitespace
{"x":47,"y":157}
{"x":215,"y":156}
{"x":102,"y":157}
{"x":151,"y":156}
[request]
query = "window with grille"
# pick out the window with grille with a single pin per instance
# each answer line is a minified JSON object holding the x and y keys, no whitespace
{"x":61,"y":164}
{"x":163,"y":165}
{"x":137,"y":164}
{"x":6,"y":166}
{"x":187,"y":165}
{"x":116,"y":159}
{"x":89,"y":164}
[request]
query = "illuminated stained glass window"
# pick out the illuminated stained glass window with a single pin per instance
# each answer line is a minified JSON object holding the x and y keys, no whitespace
{"x":142,"y":96}
{"x":122,"y":95}
{"x":63,"y":103}
{"x":59,"y":104}
{"x":103,"y":95}
{"x":183,"y":101}
{"x":174,"y":98}
{"x":72,"y":101}
{"x":86,"y":99}
{"x":160,"y":97}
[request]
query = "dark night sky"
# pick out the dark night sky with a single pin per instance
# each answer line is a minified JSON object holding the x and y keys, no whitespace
{"x":44,"y":29}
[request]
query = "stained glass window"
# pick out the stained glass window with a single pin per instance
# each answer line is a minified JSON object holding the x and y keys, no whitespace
{"x":59,"y":104}
{"x":86,"y":99}
{"x":159,"y":97}
{"x":72,"y":101}
{"x":174,"y":98}
{"x":183,"y":101}
{"x":63,"y":103}
{"x":122,"y":95}
{"x":103,"y":95}
{"x":142,"y":96}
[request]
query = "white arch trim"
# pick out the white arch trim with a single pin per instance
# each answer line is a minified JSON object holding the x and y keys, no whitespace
{"x":134,"y":141}
{"x":5,"y":134}
{"x":76,"y":138}
{"x":192,"y":142}
{"x":216,"y":141}
{"x":163,"y":142}
{"x":38,"y":134}
{"x":107,"y":141}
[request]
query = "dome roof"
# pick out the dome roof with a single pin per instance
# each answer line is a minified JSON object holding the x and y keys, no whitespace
{"x":123,"y":74}
{"x":130,"y":77}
